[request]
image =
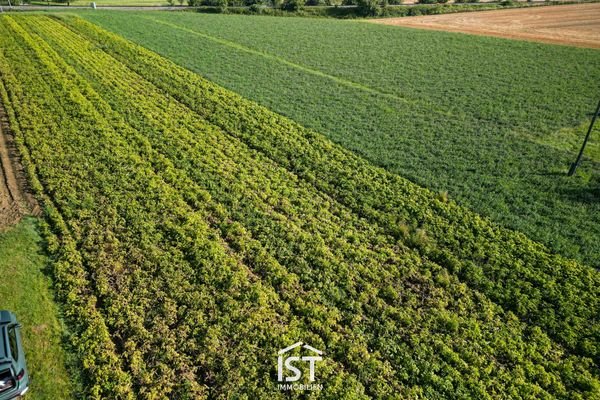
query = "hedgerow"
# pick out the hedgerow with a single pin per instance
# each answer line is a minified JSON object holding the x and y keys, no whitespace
{"x":211,"y":232}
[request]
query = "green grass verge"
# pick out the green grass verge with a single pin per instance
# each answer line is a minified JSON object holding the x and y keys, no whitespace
{"x":25,"y":290}
{"x":477,"y":117}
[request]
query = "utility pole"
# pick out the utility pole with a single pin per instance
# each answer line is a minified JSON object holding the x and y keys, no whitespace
{"x":587,"y":137}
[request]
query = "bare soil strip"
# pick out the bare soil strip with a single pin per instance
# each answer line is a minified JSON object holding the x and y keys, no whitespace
{"x":575,"y":25}
{"x":15,"y":200}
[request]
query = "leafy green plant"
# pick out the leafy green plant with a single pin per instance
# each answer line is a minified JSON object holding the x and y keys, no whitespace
{"x":292,"y":5}
{"x":503,"y":156}
{"x":368,"y":7}
{"x":195,"y":233}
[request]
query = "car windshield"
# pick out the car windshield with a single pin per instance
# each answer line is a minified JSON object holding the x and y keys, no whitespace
{"x":12,"y":341}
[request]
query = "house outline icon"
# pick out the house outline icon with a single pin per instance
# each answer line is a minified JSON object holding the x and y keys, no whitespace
{"x":306,"y":346}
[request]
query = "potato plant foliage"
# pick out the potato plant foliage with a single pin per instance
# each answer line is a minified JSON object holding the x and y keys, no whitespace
{"x":195,"y":233}
{"x":493,"y":122}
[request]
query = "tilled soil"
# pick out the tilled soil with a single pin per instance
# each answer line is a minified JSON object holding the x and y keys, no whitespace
{"x":576,"y":24}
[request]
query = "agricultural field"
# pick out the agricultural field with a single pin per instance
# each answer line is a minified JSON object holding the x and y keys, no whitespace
{"x":577,"y":24}
{"x":193,"y":233}
{"x":494,"y":123}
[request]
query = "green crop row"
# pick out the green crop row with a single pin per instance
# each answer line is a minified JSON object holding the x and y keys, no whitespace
{"x":209,"y":233}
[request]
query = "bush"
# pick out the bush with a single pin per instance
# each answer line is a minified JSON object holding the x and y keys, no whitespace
{"x":214,"y":5}
{"x":292,"y":5}
{"x":219,"y":5}
{"x":257,"y":8}
{"x":368,"y":8}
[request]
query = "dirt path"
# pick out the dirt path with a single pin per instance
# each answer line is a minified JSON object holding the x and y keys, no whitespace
{"x":15,"y":200}
{"x":576,"y":25}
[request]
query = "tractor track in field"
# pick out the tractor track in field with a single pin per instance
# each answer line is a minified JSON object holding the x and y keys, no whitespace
{"x":16,"y":200}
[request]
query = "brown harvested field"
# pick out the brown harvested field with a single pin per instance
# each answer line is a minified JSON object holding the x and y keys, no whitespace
{"x":576,"y":24}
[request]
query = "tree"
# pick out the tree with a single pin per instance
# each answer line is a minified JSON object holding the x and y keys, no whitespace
{"x":221,"y":5}
{"x":292,"y":5}
{"x":368,"y":7}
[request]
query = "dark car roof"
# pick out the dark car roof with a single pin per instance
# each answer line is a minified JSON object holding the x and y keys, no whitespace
{"x":6,"y":317}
